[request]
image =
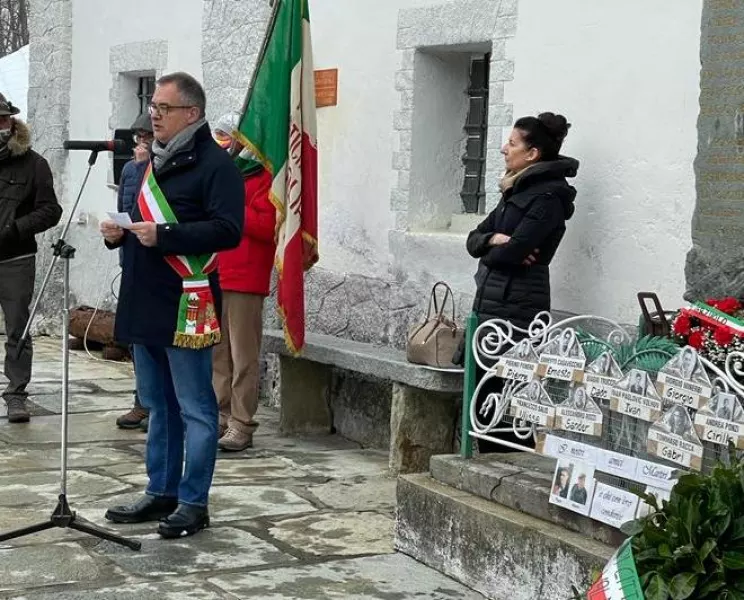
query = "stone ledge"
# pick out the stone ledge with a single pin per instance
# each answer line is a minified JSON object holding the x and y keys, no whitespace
{"x":494,"y":550}
{"x":378,"y":361}
{"x":519,"y":481}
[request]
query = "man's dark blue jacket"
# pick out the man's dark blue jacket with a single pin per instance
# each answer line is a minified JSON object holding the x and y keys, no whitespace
{"x":205,"y":190}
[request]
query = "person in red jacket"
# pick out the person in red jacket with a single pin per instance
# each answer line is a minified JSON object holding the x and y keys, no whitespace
{"x":245,"y":276}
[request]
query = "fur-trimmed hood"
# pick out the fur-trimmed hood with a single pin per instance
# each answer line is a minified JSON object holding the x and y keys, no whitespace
{"x":20,"y":142}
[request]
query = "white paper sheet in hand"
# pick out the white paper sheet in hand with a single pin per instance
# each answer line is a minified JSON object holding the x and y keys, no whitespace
{"x":121,"y":219}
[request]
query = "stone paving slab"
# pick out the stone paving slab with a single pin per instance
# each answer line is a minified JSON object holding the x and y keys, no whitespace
{"x":347,"y":464}
{"x":376,"y":493}
{"x":43,"y":487}
{"x":79,"y":371}
{"x":247,"y":471}
{"x":337,"y":534}
{"x":78,"y":457}
{"x":84,"y":402}
{"x":167,"y":589}
{"x":51,"y":564}
{"x":220,"y":548}
{"x":393,"y":577}
{"x":227,"y":504}
{"x":96,"y":427}
{"x":283,"y":513}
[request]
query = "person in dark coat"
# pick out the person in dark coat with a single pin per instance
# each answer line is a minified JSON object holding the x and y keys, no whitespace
{"x":28,"y":206}
{"x":129,"y":187}
{"x":516,"y":243}
{"x":190,"y":208}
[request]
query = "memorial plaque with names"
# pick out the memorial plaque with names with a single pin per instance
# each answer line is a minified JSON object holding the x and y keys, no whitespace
{"x":713,"y":265}
{"x":635,"y":396}
{"x":673,"y":438}
{"x":532,"y":404}
{"x":518,"y":363}
{"x":579,"y":413}
{"x":563,"y":358}
{"x":601,"y":376}
{"x":721,"y":421}
{"x":683,"y":380}
{"x":326,"y":88}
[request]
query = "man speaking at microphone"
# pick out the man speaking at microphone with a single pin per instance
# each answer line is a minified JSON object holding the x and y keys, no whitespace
{"x":28,"y":206}
{"x":190,"y":207}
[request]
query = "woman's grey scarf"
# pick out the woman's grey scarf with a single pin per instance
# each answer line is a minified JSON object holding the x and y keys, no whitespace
{"x":162,"y":154}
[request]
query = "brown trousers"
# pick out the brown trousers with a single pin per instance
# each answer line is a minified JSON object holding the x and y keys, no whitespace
{"x":235,"y":366}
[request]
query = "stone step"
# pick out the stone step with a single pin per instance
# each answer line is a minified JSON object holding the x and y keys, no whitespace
{"x":500,"y":552}
{"x":520,"y":481}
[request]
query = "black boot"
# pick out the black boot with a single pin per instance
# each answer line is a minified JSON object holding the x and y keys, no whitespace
{"x":186,"y":520}
{"x":147,"y":508}
{"x":17,"y":411}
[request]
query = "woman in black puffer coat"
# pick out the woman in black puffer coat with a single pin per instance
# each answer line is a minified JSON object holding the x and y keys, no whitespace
{"x":518,"y":239}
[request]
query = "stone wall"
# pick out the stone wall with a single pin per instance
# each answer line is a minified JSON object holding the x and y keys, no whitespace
{"x":714,"y":263}
{"x":233,"y":31}
{"x":50,"y":73}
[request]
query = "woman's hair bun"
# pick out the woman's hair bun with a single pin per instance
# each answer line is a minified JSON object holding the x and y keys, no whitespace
{"x":557,"y":125}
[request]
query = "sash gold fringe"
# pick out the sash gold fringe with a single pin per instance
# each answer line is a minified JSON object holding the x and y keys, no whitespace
{"x":197,"y":341}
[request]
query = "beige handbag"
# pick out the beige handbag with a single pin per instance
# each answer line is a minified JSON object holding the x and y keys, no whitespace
{"x":434,"y":341}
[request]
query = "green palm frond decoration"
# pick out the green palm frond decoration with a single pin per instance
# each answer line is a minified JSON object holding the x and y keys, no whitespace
{"x":650,"y":353}
{"x":592,"y":345}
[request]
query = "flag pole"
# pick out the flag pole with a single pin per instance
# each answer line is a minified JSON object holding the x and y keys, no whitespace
{"x":262,"y":53}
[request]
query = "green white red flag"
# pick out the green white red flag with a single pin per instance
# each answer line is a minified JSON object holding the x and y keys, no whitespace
{"x":278,"y":130}
{"x":619,"y":579}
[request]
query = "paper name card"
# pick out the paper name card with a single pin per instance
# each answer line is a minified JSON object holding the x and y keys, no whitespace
{"x":613,"y":506}
{"x":636,"y":397}
{"x":579,"y":413}
{"x":721,"y":421}
{"x":683,"y":380}
{"x":673,"y":438}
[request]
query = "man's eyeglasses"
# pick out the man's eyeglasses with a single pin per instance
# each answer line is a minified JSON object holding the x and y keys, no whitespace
{"x":164,"y":109}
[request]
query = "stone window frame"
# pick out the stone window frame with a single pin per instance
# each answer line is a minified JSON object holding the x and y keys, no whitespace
{"x":133,"y":60}
{"x":443,"y":26}
{"x":130,"y":62}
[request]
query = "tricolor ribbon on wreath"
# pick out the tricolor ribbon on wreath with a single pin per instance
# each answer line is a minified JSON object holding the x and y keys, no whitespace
{"x":619,"y":579}
{"x":197,"y":325}
{"x":712,"y":316}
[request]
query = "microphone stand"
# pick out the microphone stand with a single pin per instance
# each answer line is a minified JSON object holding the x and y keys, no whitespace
{"x":63,"y":516}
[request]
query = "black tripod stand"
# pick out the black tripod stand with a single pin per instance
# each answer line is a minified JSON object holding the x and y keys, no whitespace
{"x":63,"y":516}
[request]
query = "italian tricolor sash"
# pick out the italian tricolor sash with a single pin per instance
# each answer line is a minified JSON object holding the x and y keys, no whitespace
{"x":197,"y":325}
{"x":619,"y":579}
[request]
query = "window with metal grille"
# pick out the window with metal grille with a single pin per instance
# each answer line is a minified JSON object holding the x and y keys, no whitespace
{"x":473,"y":192}
{"x":145,"y":90}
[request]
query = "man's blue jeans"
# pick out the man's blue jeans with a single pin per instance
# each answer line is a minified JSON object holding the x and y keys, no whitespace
{"x":175,"y":385}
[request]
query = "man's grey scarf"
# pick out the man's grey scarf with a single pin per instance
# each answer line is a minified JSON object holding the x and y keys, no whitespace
{"x":179,"y":141}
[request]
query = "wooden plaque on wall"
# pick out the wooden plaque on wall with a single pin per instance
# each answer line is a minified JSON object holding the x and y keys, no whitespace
{"x":326,"y":87}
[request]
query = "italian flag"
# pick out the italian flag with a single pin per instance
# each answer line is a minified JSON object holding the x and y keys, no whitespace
{"x":619,"y":579}
{"x":278,"y":131}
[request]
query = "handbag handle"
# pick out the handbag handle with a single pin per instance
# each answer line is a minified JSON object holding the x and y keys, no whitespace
{"x":433,"y":299}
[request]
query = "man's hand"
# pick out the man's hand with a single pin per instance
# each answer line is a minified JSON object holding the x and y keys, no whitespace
{"x":141,"y":153}
{"x":499,"y":239}
{"x":111,"y":232}
{"x":147,"y":233}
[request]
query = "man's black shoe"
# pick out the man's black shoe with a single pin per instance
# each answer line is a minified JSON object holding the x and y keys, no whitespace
{"x":147,"y":508}
{"x":186,"y":520}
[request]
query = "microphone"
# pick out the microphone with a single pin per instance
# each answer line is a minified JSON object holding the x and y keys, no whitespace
{"x":118,"y":146}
